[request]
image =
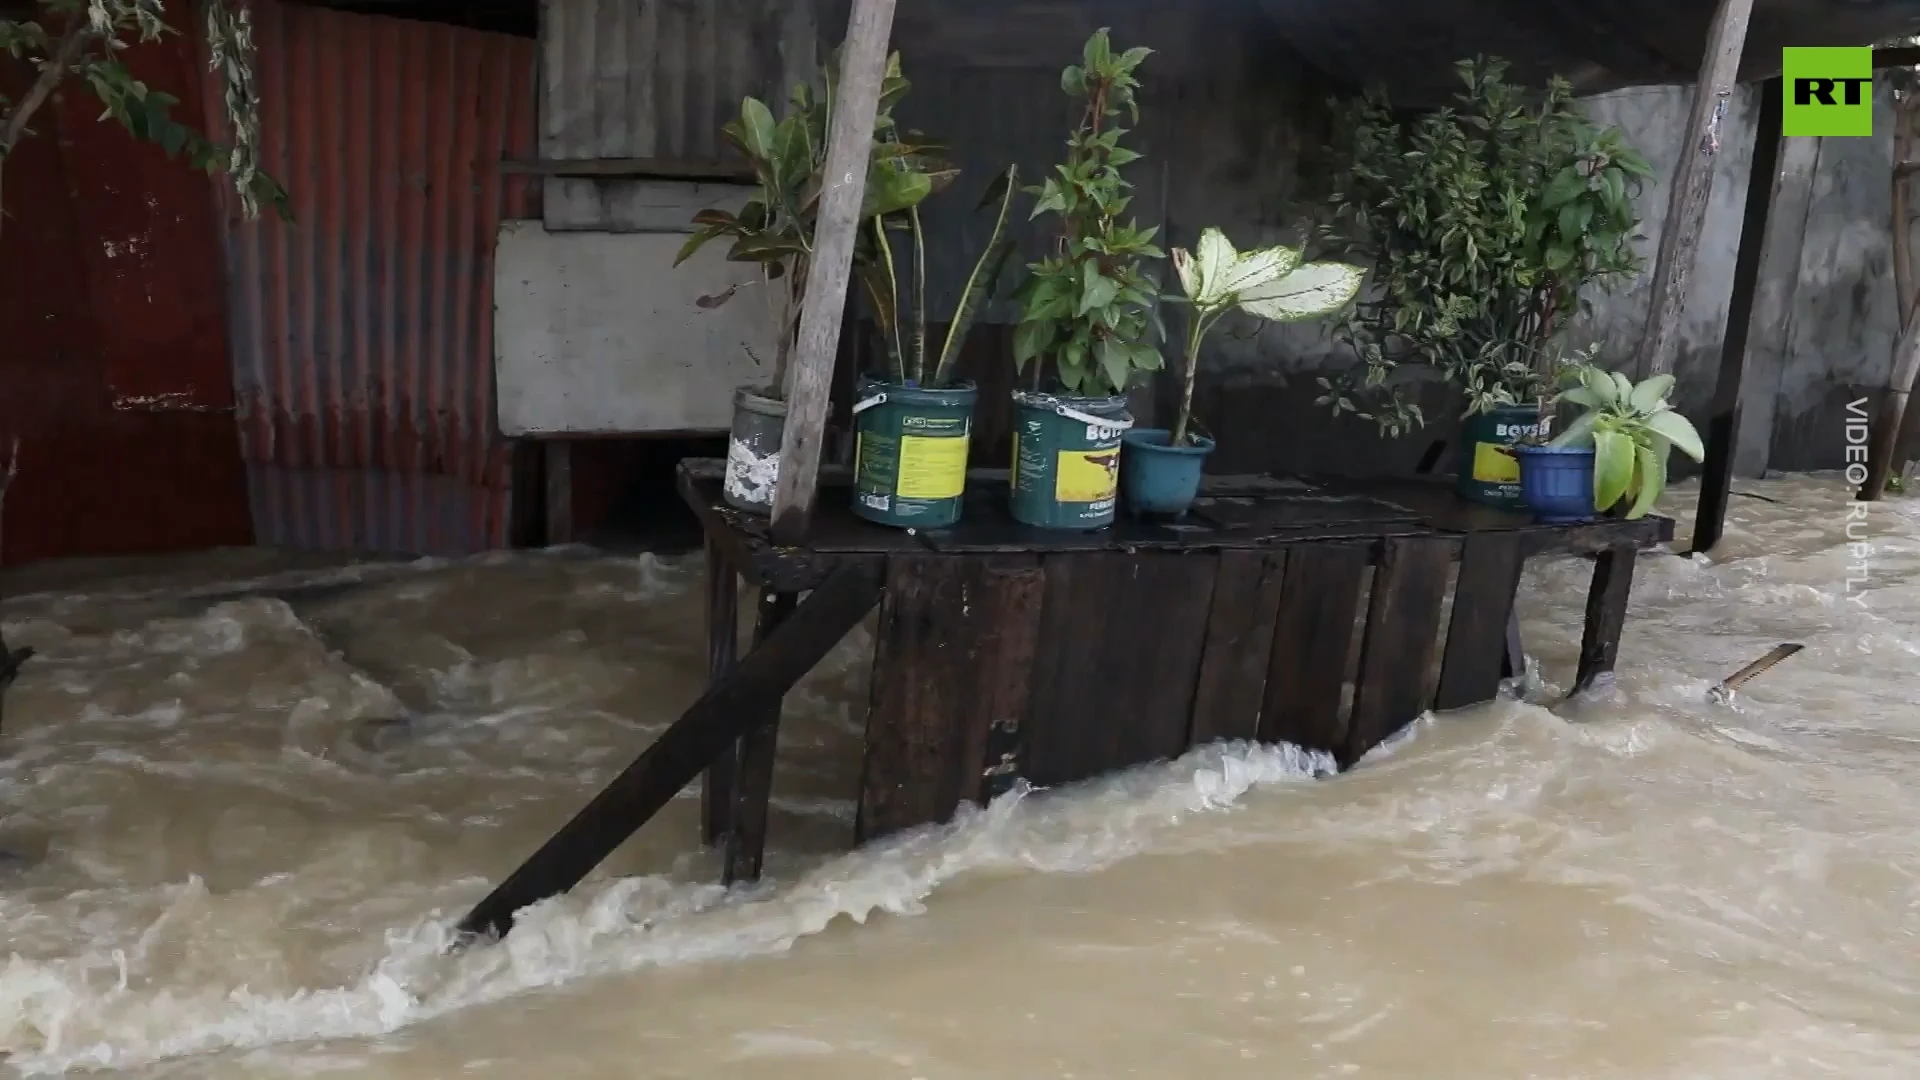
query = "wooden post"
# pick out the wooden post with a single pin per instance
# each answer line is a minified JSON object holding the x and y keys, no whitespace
{"x":559,"y":481}
{"x":863,"y":66}
{"x":1884,"y":434}
{"x":1724,"y":424}
{"x":753,"y":757}
{"x":1606,"y":616}
{"x":1692,"y":184}
{"x":723,"y":647}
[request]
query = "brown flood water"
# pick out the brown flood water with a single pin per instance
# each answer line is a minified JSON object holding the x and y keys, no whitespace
{"x":228,"y":861}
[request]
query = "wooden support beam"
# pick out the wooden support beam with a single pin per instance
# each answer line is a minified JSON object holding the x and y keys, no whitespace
{"x":1723,"y":425}
{"x":1884,"y":433}
{"x":1692,"y":185}
{"x":753,"y":782}
{"x":723,"y":647}
{"x":1606,"y":616}
{"x":863,"y":67}
{"x":559,"y":483}
{"x":712,"y":724}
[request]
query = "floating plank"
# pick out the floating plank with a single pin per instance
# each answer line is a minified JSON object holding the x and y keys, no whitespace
{"x":1233,"y":667}
{"x":953,"y":655}
{"x":1120,"y":643}
{"x":723,"y":646}
{"x":1403,"y":628}
{"x":1312,"y":640}
{"x":724,"y":713}
{"x":753,"y":783}
{"x":1476,"y":657}
{"x":1606,"y":615}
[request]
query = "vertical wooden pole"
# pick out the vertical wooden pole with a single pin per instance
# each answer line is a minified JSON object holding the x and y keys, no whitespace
{"x":1606,"y":616}
{"x":723,"y":647}
{"x":863,"y":66}
{"x":1762,"y":181}
{"x":1884,"y":440}
{"x":753,"y":775}
{"x":1692,"y":185}
{"x":559,"y":477}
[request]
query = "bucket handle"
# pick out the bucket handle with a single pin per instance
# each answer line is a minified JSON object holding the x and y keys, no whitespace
{"x":1094,"y":421}
{"x":863,"y":406}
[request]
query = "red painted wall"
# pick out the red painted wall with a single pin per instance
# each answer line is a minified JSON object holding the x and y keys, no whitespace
{"x":114,"y":373}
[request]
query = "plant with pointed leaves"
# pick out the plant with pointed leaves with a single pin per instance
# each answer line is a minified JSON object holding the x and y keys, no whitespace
{"x":1271,"y":284}
{"x":1631,"y":429}
{"x":907,"y":356}
{"x":774,"y":229}
{"x":1485,"y":225}
{"x":1090,"y":308}
{"x":84,"y":39}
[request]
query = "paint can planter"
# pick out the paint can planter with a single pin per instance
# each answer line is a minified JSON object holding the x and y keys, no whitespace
{"x":1487,"y":472}
{"x":1557,"y":482}
{"x":753,"y":451}
{"x":910,"y":453}
{"x":1158,"y":478}
{"x":1066,"y":460}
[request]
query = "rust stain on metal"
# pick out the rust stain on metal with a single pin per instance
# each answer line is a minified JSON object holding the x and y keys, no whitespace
{"x":363,"y":329}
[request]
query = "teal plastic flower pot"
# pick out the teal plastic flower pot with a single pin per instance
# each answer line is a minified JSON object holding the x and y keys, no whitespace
{"x":1158,"y":478}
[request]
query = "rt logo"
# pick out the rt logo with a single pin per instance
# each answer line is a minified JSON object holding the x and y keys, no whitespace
{"x":1829,"y":91}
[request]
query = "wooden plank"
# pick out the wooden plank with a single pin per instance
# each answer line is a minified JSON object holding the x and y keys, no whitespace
{"x":1120,"y":644}
{"x":709,"y":726}
{"x":1606,"y":616}
{"x":723,"y":646}
{"x":1312,"y":640}
{"x":1233,"y":666}
{"x":756,"y":750}
{"x":863,"y":62}
{"x":1723,"y":423}
{"x":953,"y":656}
{"x":559,"y":479}
{"x":1476,"y":655}
{"x":1403,"y":630}
{"x":1693,"y":185}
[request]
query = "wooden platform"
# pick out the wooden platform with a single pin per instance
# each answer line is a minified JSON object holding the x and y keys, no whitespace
{"x":1005,"y":652}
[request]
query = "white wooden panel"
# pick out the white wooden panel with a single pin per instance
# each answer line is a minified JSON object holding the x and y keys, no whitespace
{"x":598,"y":334}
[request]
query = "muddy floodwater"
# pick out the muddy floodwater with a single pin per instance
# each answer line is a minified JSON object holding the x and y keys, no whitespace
{"x":242,"y":797}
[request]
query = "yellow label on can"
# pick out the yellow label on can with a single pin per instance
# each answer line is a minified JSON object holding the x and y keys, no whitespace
{"x":1493,"y":465}
{"x":1086,"y":476}
{"x":932,"y":468}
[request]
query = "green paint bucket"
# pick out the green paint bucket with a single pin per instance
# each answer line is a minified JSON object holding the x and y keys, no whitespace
{"x":1487,"y":473}
{"x":1066,"y":460}
{"x":910,"y":453}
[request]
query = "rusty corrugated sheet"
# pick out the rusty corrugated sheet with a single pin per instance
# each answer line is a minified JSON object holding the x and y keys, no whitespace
{"x":363,"y":330}
{"x":657,"y":78}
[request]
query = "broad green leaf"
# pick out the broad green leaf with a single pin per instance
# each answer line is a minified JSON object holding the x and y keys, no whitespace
{"x":1096,"y":290}
{"x":1678,"y":430}
{"x":1601,"y":385}
{"x":1622,"y":387}
{"x":1311,"y":290}
{"x":1648,"y":396}
{"x":1115,"y":361}
{"x":757,"y":129}
{"x":1578,"y":433}
{"x":1613,"y":461}
{"x":695,"y":242}
{"x":1214,"y":255}
{"x":1581,"y":396}
{"x":1652,"y":475}
{"x":1183,"y":266}
{"x":1254,"y":269}
{"x":1030,"y":339}
{"x":763,"y":247}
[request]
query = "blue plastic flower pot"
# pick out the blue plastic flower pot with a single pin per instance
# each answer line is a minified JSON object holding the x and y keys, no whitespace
{"x":1557,"y":482}
{"x":1159,"y":478}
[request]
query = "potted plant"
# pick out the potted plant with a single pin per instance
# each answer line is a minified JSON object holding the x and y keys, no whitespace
{"x":912,"y":427}
{"x":1614,"y":452}
{"x":774,"y":230}
{"x":1088,"y":312}
{"x":1484,"y":225}
{"x":1160,"y":470}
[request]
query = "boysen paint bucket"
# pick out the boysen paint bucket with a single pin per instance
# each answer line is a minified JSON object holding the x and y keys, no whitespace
{"x":1488,"y":473}
{"x":1066,"y":459}
{"x":753,"y":451}
{"x":910,"y":453}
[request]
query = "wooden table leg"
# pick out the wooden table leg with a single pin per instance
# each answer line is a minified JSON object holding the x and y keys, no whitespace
{"x":753,"y":780}
{"x":1606,"y":616}
{"x":723,"y":645}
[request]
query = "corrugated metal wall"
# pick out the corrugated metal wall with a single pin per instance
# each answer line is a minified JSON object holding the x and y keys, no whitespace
{"x":363,"y":330}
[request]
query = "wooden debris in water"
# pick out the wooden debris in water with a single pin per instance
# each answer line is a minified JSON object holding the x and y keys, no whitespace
{"x":1723,"y":693}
